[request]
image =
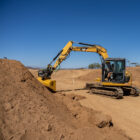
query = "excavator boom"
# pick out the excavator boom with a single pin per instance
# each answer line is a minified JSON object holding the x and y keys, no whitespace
{"x":85,"y":48}
{"x":95,"y":48}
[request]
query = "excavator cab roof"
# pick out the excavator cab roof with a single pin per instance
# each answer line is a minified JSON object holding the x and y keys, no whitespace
{"x":115,"y":59}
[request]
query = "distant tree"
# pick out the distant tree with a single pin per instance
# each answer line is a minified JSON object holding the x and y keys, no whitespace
{"x":91,"y":66}
{"x":94,"y":66}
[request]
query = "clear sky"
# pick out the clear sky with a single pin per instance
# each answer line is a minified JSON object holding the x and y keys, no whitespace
{"x":33,"y":31}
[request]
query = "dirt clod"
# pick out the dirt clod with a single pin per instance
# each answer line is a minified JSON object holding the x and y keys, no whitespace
{"x":7,"y":106}
{"x":49,"y":128}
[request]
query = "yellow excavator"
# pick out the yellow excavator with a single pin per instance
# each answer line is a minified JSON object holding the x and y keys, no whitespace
{"x":116,"y":81}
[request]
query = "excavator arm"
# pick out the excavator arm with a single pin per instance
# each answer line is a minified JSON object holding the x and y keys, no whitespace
{"x":87,"y":48}
{"x":45,"y":74}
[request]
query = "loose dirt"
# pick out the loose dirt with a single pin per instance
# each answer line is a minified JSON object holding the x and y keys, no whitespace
{"x":28,"y":111}
{"x":125,"y":113}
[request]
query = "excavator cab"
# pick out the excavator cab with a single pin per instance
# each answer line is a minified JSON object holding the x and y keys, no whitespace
{"x":113,"y":70}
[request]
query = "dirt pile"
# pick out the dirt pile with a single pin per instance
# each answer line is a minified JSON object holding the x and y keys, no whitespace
{"x":29,"y":112}
{"x":90,"y":75}
{"x":135,"y":75}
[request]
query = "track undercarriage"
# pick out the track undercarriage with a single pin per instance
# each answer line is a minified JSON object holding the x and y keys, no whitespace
{"x":117,"y":92}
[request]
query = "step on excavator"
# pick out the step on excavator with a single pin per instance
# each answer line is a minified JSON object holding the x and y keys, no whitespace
{"x":115,"y":81}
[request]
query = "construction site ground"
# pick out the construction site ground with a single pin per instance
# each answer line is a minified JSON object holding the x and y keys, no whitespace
{"x":125,"y":113}
{"x":29,"y":111}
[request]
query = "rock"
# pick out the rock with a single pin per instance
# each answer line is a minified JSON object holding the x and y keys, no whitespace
{"x":49,"y":128}
{"x":7,"y":106}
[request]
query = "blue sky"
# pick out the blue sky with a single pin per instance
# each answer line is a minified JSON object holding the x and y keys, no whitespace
{"x":33,"y":31}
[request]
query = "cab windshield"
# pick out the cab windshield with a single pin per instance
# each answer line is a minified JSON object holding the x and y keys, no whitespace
{"x":114,"y":71}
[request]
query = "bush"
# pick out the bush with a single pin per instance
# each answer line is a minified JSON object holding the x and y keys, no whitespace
{"x":94,"y":66}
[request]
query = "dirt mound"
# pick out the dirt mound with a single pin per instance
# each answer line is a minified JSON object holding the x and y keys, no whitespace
{"x":90,"y":75}
{"x":135,"y":75}
{"x":29,"y":112}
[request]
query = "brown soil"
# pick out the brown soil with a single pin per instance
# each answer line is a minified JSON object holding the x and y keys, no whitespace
{"x":28,"y":111}
{"x":125,"y":113}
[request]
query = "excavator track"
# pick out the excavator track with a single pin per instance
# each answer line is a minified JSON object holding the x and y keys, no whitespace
{"x":132,"y":91}
{"x":116,"y":92}
{"x":135,"y":91}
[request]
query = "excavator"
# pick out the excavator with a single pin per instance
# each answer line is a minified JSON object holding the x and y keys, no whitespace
{"x":115,"y":81}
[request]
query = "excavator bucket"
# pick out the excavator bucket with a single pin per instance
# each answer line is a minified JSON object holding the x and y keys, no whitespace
{"x":49,"y":83}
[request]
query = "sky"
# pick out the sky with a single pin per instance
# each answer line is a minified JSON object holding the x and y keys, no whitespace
{"x":34,"y":31}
